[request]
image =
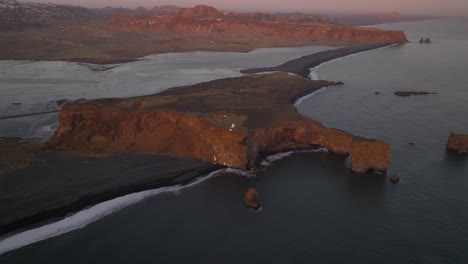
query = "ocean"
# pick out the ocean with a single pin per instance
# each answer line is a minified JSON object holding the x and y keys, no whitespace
{"x":314,"y":210}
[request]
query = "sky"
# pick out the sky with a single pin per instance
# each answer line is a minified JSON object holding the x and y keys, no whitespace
{"x":425,"y":7}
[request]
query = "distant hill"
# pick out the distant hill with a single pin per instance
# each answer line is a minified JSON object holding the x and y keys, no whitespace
{"x":14,"y":14}
{"x":208,"y":21}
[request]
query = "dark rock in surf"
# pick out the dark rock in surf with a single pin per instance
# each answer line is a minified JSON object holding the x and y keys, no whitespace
{"x":251,"y":199}
{"x":394,"y":178}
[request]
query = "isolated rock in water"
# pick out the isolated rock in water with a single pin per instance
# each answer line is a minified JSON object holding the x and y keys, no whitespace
{"x":410,"y":93}
{"x":369,"y":155}
{"x":251,"y":199}
{"x":377,"y":93}
{"x":394,"y":178}
{"x":458,"y":143}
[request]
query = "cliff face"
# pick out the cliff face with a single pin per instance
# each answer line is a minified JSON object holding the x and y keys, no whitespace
{"x":100,"y":130}
{"x":218,"y":121}
{"x":208,"y":21}
{"x":369,"y":155}
{"x":458,"y":143}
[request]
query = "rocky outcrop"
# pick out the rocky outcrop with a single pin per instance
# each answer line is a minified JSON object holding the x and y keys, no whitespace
{"x":203,"y":121}
{"x":107,"y":131}
{"x":394,"y":178}
{"x":458,"y":143}
{"x":251,"y":199}
{"x":370,"y":155}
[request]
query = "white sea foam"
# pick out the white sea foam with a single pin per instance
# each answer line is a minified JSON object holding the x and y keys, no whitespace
{"x":243,"y":173}
{"x":300,"y":100}
{"x":266,"y":162}
{"x":87,"y":216}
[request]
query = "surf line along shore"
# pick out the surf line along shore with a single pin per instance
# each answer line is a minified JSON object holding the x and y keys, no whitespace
{"x":231,"y":122}
{"x":302,"y":65}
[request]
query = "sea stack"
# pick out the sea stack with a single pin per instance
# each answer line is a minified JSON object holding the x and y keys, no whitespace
{"x":251,"y":199}
{"x":368,"y":155}
{"x":394,"y":178}
{"x":458,"y":143}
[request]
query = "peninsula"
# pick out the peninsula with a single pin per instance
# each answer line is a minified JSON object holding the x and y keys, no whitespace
{"x":233,"y":122}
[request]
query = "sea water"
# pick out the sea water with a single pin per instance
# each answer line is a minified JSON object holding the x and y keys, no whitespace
{"x":314,"y":210}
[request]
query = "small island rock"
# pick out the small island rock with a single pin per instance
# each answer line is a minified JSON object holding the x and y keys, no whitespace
{"x":394,"y":178}
{"x":251,"y":199}
{"x":458,"y":143}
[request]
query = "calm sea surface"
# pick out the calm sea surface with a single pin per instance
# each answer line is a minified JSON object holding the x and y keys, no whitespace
{"x":314,"y":210}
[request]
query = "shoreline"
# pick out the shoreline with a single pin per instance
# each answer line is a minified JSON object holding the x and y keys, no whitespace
{"x":80,"y":219}
{"x":55,"y":201}
{"x":302,"y":66}
{"x":57,"y":213}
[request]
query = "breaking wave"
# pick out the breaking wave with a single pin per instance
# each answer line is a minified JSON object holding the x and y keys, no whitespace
{"x":300,"y":100}
{"x":90,"y":215}
{"x":266,"y":162}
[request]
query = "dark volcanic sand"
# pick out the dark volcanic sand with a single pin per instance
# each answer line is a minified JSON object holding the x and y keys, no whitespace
{"x":62,"y":184}
{"x":302,"y":65}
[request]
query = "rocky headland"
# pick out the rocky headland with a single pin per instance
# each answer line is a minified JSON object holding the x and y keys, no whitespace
{"x":233,"y":122}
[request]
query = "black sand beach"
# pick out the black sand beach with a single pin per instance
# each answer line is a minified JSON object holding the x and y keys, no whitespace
{"x":62,"y":184}
{"x":302,"y":65}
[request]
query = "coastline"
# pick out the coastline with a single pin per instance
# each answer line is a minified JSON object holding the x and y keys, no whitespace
{"x":101,"y":196}
{"x":302,"y":65}
{"x":63,"y":184}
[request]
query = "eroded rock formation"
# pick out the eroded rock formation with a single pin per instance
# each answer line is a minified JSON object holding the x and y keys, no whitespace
{"x":251,"y":199}
{"x":458,"y":143}
{"x":394,"y":178}
{"x":369,"y":155}
{"x":232,"y":122}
